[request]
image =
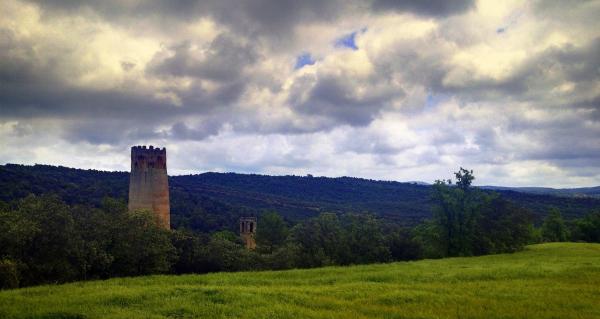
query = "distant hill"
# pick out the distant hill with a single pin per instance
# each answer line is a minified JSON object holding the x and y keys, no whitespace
{"x":213,"y":201}
{"x":565,"y":192}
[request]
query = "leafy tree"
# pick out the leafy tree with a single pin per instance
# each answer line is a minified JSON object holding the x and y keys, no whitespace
{"x":554,"y":228}
{"x":141,"y":246}
{"x":9,"y":274}
{"x":286,"y":256}
{"x":48,"y":242}
{"x":430,"y":236}
{"x":403,"y":246}
{"x":456,"y":213}
{"x":272,"y":231}
{"x":503,"y":227}
{"x":225,"y":255}
{"x":117,"y":242}
{"x":227,"y":235}
{"x":365,"y":240}
{"x":464,"y":178}
{"x":588,"y":228}
{"x":192,"y":252}
{"x":320,"y":241}
{"x":96,"y":227}
{"x":468,"y":221}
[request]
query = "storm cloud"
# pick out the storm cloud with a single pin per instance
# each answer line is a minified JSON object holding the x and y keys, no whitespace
{"x":406,"y":90}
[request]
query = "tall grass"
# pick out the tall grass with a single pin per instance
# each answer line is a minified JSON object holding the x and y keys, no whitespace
{"x":544,"y":281}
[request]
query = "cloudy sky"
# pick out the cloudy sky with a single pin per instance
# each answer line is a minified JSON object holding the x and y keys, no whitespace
{"x":383,"y":89}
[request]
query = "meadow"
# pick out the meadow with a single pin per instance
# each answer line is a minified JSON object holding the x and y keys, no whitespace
{"x":555,"y":280}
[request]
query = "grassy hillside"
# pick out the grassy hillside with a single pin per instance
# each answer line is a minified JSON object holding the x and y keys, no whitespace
{"x":544,"y":281}
{"x":215,"y":201}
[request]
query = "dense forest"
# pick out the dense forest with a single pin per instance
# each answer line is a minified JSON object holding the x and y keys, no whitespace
{"x":214,"y":201}
{"x":62,"y":225}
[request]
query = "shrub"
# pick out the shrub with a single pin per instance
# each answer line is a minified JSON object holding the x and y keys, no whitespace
{"x":9,"y":274}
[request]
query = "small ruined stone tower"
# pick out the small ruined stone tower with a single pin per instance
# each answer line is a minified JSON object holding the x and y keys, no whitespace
{"x":148,"y":182}
{"x":248,"y":231}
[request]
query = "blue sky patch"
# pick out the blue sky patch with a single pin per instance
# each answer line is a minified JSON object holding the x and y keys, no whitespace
{"x":304,"y":59}
{"x":347,"y":41}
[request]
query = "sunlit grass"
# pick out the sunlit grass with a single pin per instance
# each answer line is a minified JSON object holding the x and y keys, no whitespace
{"x":544,"y":281}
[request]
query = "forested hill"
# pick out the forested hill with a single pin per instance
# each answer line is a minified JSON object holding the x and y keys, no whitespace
{"x":565,"y":192}
{"x":212,"y":201}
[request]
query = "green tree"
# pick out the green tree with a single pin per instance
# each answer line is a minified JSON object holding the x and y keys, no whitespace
{"x":503,"y":227}
{"x":9,"y":274}
{"x":51,"y":248}
{"x":464,"y":179}
{"x":225,"y":255}
{"x":96,"y":228}
{"x":456,"y":213}
{"x":141,"y":246}
{"x":272,"y":231}
{"x":554,"y":228}
{"x":227,"y":235}
{"x":190,"y":250}
{"x":589,"y":227}
{"x":364,"y":238}
{"x":403,"y":245}
{"x":320,"y":241}
{"x":430,"y":235}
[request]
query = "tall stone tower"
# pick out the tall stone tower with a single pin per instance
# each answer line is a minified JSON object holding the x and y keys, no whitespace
{"x":248,"y":231}
{"x":149,"y":184}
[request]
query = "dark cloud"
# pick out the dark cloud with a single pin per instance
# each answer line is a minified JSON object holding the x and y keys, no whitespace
{"x":272,"y":19}
{"x":275,"y":20}
{"x":34,"y":85}
{"x":113,"y":132}
{"x":425,"y":7}
{"x":223,"y":60}
{"x":280,"y":17}
{"x":336,"y":97}
{"x":181,"y":131}
{"x":561,"y":137}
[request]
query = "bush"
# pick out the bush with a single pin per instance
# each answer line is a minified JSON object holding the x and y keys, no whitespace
{"x":587,"y":228}
{"x":9,"y":274}
{"x":554,"y":228}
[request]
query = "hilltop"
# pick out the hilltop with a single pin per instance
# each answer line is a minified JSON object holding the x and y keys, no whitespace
{"x":212,"y":201}
{"x":544,"y":281}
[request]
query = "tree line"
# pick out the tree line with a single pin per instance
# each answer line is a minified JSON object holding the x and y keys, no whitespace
{"x":45,"y":240}
{"x":211,"y":202}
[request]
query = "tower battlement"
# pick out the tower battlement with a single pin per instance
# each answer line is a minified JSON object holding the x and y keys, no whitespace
{"x":148,"y":182}
{"x":144,"y":158}
{"x":143,"y":148}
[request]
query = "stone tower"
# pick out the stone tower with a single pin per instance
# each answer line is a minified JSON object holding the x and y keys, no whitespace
{"x":248,"y":231}
{"x":148,"y":182}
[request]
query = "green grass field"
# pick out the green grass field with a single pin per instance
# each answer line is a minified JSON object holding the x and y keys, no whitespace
{"x":544,"y":281}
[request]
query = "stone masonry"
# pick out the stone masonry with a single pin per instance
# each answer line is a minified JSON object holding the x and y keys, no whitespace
{"x":149,"y":184}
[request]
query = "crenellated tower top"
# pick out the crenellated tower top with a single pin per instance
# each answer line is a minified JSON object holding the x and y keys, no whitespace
{"x":143,"y":157}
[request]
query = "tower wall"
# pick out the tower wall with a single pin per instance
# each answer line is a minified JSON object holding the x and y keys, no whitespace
{"x":148,"y":182}
{"x":248,"y":231}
